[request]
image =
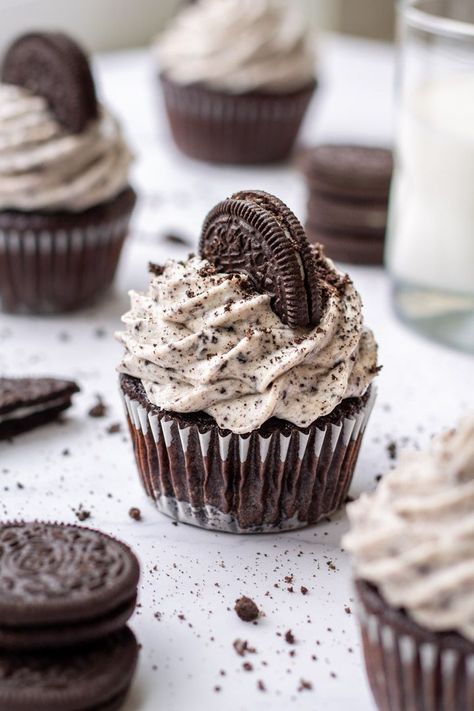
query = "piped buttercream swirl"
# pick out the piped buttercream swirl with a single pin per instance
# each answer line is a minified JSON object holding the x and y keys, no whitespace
{"x":238,"y":46}
{"x":42,"y":167}
{"x":414,"y":536}
{"x":203,"y":341}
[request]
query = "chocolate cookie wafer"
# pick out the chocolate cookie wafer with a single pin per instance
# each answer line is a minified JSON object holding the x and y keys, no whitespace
{"x":255,"y":233}
{"x":26,"y":403}
{"x":62,"y":585}
{"x":95,"y":677}
{"x":52,"y":65}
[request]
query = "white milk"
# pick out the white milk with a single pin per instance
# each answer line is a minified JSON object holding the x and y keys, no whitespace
{"x":431,"y":241}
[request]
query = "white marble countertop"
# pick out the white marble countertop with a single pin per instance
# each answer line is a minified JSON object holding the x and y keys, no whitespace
{"x":191,"y":577}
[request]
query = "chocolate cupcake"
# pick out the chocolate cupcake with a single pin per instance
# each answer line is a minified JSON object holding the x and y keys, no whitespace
{"x":237,"y":77}
{"x":65,"y":201}
{"x":413,"y":546}
{"x":246,"y":375}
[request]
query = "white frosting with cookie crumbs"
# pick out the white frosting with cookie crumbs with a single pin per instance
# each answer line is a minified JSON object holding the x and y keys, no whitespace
{"x":204,"y":341}
{"x":413,"y":538}
{"x":239,"y":46}
{"x":43,"y":167}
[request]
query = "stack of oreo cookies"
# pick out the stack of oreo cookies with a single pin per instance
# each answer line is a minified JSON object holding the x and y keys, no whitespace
{"x":66,"y":593}
{"x":348,"y":197}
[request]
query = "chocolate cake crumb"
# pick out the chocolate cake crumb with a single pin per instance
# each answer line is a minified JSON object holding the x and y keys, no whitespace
{"x":248,"y":666}
{"x":242,"y":647}
{"x":304,"y":590}
{"x":392,"y":449}
{"x":347,"y":610}
{"x":176,"y":238}
{"x":99,"y":409}
{"x":114,"y":428}
{"x":81,"y":513}
{"x":290,"y":637}
{"x":135,"y":513}
{"x":246,"y":609}
{"x":305,"y":685}
{"x":261,"y":686}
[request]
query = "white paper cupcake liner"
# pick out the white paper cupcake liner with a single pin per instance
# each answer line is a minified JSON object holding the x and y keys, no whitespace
{"x":245,"y":483}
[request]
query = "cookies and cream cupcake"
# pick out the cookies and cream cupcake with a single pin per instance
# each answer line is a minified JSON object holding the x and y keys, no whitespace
{"x":237,"y":77}
{"x":65,"y":199}
{"x":412,"y":541}
{"x":247,"y":375}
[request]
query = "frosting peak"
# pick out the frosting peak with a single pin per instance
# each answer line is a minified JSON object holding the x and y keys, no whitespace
{"x":238,"y":46}
{"x":42,"y":167}
{"x":205,"y":341}
{"x":414,"y":536}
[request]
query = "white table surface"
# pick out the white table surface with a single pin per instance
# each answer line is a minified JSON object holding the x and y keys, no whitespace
{"x":192,"y":577}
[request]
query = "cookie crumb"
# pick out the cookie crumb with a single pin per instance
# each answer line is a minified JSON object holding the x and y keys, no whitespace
{"x":246,"y":609}
{"x":99,"y":409}
{"x":135,"y":513}
{"x":290,"y":637}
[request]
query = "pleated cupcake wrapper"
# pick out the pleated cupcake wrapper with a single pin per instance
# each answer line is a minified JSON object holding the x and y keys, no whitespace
{"x":46,"y":271}
{"x":234,"y":128}
{"x":245,"y":483}
{"x":406,"y":674}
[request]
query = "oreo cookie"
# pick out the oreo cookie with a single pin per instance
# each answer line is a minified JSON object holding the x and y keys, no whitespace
{"x":26,"y":403}
{"x":348,"y":198}
{"x":62,"y":586}
{"x":348,"y":171}
{"x":95,"y":677}
{"x":53,"y":65}
{"x":255,"y":233}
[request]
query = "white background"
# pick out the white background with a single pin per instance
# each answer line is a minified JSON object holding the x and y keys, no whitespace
{"x":187,"y":571}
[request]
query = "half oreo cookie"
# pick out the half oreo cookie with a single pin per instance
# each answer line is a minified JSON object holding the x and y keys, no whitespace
{"x":255,"y":233}
{"x":62,"y":585}
{"x":26,"y":403}
{"x":95,"y":677}
{"x":53,"y":65}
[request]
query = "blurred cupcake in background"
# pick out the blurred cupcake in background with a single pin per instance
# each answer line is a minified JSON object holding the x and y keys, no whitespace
{"x":65,"y":201}
{"x":237,"y":77}
{"x":413,"y":547}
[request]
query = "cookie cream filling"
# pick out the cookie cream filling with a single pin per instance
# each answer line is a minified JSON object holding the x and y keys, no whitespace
{"x":203,"y":341}
{"x":414,"y":536}
{"x":21,"y":413}
{"x":239,"y":46}
{"x":42,"y":167}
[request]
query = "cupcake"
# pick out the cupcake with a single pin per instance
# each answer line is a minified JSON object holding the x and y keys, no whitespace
{"x":237,"y":77}
{"x":247,"y":375}
{"x":413,"y":547}
{"x":65,"y":201}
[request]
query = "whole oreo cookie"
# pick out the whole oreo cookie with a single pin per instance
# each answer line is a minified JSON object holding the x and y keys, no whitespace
{"x":62,"y":585}
{"x":95,"y":677}
{"x":255,"y":233}
{"x":52,"y":65}
{"x":349,"y":171}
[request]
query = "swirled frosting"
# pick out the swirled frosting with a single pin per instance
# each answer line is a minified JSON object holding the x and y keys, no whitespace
{"x":203,"y":341}
{"x":42,"y":167}
{"x":238,"y":46}
{"x":414,"y":537}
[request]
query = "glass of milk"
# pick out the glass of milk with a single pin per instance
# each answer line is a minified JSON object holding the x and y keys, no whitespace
{"x":430,"y":245}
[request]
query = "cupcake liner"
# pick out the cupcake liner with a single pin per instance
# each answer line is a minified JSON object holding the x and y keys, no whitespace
{"x":212,"y":478}
{"x":410,"y":669}
{"x":53,"y":268}
{"x":247,"y":128}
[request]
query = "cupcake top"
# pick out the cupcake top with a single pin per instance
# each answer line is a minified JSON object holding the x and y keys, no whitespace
{"x":59,"y":149}
{"x":414,"y":537}
{"x":200,"y":340}
{"x":238,"y":46}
